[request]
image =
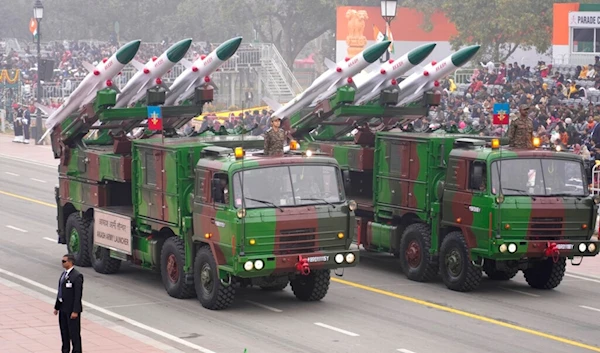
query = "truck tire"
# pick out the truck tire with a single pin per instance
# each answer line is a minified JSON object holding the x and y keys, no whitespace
{"x":102,"y":262}
{"x":489,"y":267}
{"x":457,"y":270}
{"x":211,"y":293}
{"x":415,"y":261}
{"x":546,"y":274}
{"x":172,"y":260}
{"x":312,"y":287}
{"x":79,"y":239}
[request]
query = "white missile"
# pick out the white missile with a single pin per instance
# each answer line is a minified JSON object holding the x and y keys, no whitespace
{"x":389,"y":72}
{"x":324,"y":86}
{"x":198,"y":73}
{"x":419,"y":82}
{"x":99,"y":77}
{"x":150,"y":74}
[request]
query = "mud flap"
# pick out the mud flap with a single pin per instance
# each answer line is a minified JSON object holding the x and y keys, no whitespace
{"x":60,"y":218}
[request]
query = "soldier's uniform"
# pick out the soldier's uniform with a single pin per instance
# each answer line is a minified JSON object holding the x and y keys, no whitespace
{"x":520,"y":132}
{"x":18,"y":123}
{"x":274,"y":140}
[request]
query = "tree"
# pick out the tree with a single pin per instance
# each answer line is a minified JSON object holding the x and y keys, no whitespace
{"x":290,"y":25}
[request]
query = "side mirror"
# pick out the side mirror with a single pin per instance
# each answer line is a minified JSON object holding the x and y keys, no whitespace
{"x":216,"y":190}
{"x":346,"y":177}
{"x":477,"y":176}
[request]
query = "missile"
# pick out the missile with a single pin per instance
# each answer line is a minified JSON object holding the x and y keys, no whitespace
{"x":336,"y":76}
{"x":419,"y":82}
{"x":389,"y":72}
{"x":99,"y":78}
{"x":198,"y":73}
{"x":150,"y":74}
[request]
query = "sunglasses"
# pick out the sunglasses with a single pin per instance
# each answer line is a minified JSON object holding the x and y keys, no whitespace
{"x":63,"y":261}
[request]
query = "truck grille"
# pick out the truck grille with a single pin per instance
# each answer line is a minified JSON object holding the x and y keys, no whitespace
{"x":546,"y":228}
{"x":293,"y":241}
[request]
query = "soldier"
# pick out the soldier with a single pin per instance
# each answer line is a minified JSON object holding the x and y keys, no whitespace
{"x":274,"y":138}
{"x":520,"y":132}
{"x":18,"y":123}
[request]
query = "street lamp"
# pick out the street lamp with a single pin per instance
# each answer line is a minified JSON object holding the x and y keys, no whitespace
{"x":38,"y":14}
{"x":388,"y":12}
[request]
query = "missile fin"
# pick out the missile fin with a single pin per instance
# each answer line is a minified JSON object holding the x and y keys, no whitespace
{"x":138,"y":65}
{"x":186,"y":63}
{"x":191,"y":85}
{"x":49,"y":111}
{"x":272,"y":103}
{"x":330,"y":64}
{"x":48,"y":131}
{"x":214,"y":85}
{"x":89,"y":67}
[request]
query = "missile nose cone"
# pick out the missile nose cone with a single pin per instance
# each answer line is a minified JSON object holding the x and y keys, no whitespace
{"x":462,"y":56}
{"x":227,"y":49}
{"x":127,"y":52}
{"x":374,"y":52}
{"x":178,"y":50}
{"x":417,"y":55}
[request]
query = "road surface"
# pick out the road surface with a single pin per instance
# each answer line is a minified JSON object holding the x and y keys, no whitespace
{"x":372,"y":308}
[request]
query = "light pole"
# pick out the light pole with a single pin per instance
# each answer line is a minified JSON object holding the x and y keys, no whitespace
{"x":38,"y":14}
{"x":388,"y":12}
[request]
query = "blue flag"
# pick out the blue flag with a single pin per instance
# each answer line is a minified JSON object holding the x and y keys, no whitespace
{"x":154,"y":118}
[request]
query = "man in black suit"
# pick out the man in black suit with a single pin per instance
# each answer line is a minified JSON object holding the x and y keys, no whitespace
{"x":68,"y":305}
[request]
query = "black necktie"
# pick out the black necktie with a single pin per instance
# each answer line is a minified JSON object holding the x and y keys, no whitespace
{"x":60,"y":283}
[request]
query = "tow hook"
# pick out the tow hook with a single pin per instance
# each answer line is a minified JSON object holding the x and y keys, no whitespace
{"x":302,"y":266}
{"x":552,"y":251}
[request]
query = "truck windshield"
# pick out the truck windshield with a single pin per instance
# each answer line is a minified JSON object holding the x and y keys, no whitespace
{"x":538,"y":177}
{"x":288,"y":186}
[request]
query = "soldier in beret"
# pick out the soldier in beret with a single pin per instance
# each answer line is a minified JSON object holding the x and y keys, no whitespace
{"x":520,"y":132}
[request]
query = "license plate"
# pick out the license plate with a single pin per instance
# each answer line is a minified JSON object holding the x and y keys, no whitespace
{"x":317,"y":259}
{"x":564,"y":246}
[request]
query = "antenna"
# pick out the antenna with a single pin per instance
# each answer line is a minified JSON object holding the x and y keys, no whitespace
{"x":242,"y":181}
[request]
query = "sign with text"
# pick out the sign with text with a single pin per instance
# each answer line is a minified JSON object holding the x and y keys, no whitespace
{"x":112,"y":231}
{"x":584,"y":19}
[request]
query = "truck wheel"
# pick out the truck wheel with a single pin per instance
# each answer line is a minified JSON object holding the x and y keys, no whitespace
{"x":546,"y":274}
{"x":172,"y":260}
{"x":415,"y":261}
{"x":489,"y":267}
{"x":79,"y":239}
{"x":458,"y":272}
{"x":312,"y":287}
{"x":211,"y":293}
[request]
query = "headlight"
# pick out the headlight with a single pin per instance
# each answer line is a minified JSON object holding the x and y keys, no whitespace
{"x":339,"y":258}
{"x":352,"y":205}
{"x":241,"y":213}
{"x":503,"y":248}
{"x":592,"y":247}
{"x":512,"y":247}
{"x":582,"y":247}
{"x":308,"y":153}
{"x":350,"y":258}
{"x":259,"y":264}
{"x":248,"y":266}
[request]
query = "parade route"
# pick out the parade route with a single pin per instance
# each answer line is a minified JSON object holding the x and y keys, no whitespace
{"x":373,"y":307}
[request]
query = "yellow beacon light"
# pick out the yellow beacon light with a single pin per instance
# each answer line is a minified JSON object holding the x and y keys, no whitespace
{"x":495,"y":144}
{"x":294,"y":145}
{"x":239,"y":152}
{"x":536,"y":142}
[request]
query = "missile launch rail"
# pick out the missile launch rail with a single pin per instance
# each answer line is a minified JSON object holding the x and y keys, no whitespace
{"x":210,"y":213}
{"x":455,"y":204}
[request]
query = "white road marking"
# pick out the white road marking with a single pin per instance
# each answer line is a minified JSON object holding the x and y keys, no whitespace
{"x":337,"y":329}
{"x":29,"y":162}
{"x":38,"y":180}
{"x":404,"y":350}
{"x":128,"y":305}
{"x":589,"y":308}
{"x":13,"y":174}
{"x":50,"y":239}
{"x":520,"y":292}
{"x":113,"y":315}
{"x":583,"y":278}
{"x":264,"y":306}
{"x":17,"y":229}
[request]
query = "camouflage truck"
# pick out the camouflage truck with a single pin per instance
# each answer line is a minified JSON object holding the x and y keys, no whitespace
{"x":455,"y":204}
{"x":208,"y":213}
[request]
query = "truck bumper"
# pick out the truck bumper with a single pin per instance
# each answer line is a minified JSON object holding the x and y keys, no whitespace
{"x":294,"y":263}
{"x":516,"y":250}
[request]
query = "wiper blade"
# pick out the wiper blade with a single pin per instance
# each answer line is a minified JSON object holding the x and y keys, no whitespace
{"x":266,"y":203}
{"x":522,"y":192}
{"x":317,"y":199}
